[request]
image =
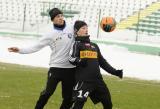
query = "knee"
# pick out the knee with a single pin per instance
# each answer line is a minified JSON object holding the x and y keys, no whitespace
{"x":78,"y":104}
{"x":66,"y":104}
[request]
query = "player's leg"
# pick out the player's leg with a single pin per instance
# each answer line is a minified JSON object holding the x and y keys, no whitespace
{"x":79,"y":104}
{"x":48,"y":91}
{"x":67,"y":88}
{"x":106,"y":102}
{"x":105,"y":96}
{"x":106,"y":99}
{"x":80,"y":94}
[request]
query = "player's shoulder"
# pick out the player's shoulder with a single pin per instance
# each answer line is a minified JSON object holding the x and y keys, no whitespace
{"x":49,"y":35}
{"x":94,"y":44}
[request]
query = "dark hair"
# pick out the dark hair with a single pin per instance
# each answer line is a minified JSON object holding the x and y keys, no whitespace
{"x":54,"y":12}
{"x":78,"y":24}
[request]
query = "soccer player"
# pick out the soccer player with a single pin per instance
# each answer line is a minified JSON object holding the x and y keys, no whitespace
{"x":60,"y":39}
{"x":89,"y":82}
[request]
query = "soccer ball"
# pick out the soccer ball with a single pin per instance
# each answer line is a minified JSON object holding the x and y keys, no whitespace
{"x":108,"y":24}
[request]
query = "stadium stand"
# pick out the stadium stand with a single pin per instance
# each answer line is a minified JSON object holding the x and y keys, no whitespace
{"x":120,"y":9}
{"x":125,"y":12}
{"x":150,"y":24}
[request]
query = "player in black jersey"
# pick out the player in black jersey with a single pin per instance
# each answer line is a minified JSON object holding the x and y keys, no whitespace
{"x":89,"y":82}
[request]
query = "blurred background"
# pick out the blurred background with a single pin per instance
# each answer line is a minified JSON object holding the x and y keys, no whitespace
{"x":137,"y":20}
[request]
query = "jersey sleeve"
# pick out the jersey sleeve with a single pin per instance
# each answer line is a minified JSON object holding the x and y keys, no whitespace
{"x":74,"y":54}
{"x":42,"y":42}
{"x":104,"y":64}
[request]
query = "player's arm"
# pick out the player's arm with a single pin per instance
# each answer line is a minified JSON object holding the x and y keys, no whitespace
{"x":44,"y":41}
{"x":74,"y":55}
{"x":107,"y":67}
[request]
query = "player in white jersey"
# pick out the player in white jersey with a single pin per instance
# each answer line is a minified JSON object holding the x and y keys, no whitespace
{"x":59,"y":39}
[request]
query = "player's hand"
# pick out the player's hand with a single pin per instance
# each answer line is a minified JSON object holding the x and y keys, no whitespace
{"x":13,"y":49}
{"x":119,"y":73}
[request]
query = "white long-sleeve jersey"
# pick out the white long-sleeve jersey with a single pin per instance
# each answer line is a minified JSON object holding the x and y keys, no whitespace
{"x":60,"y":43}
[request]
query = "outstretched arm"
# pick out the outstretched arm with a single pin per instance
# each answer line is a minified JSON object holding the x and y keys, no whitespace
{"x":31,"y":49}
{"x":107,"y":67}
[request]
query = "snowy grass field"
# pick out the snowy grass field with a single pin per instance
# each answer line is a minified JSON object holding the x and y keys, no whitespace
{"x":21,"y":85}
{"x":134,"y":64}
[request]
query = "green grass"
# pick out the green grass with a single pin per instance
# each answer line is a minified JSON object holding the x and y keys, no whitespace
{"x":20,"y":34}
{"x":20,"y":87}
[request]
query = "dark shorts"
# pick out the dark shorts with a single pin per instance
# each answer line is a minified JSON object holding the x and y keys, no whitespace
{"x":56,"y":75}
{"x":63,"y":75}
{"x":96,"y":90}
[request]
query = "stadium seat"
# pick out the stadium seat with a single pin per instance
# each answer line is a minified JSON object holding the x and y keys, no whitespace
{"x":89,"y":10}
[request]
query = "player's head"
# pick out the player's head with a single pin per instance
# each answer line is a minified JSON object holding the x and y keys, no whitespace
{"x":56,"y":16}
{"x":80,"y":28}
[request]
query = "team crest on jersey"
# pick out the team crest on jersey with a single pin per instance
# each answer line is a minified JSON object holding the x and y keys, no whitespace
{"x":70,"y":35}
{"x":88,"y":54}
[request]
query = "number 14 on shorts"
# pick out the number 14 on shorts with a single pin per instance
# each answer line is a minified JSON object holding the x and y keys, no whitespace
{"x":81,"y":95}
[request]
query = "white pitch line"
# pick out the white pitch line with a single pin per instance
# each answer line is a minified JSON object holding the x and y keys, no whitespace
{"x":5,"y":96}
{"x":145,"y":84}
{"x":148,"y":84}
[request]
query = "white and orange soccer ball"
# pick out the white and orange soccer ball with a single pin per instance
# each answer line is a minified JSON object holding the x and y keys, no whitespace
{"x":108,"y":24}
